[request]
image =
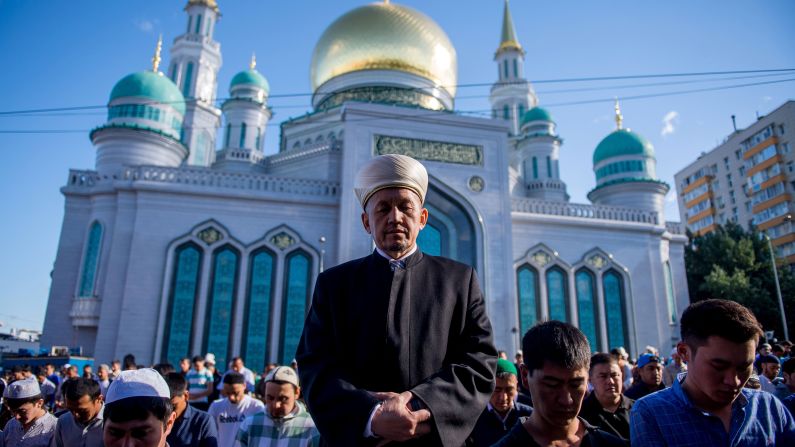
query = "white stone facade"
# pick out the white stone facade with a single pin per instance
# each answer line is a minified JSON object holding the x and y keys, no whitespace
{"x":301,"y":201}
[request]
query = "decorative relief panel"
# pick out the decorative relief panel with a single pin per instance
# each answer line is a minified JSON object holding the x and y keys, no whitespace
{"x":597,"y":261}
{"x":476,"y":183}
{"x":465,"y":154}
{"x":210,"y":235}
{"x":541,"y":258}
{"x":282,"y":240}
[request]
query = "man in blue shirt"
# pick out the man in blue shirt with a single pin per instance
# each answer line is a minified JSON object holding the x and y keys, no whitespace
{"x":193,"y":427}
{"x":709,"y":406}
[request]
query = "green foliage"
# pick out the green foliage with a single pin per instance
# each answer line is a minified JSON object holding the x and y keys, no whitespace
{"x":732,"y":263}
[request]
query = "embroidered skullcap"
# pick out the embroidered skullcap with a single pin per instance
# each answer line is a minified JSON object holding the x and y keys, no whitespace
{"x":22,"y":389}
{"x":390,"y":171}
{"x":137,"y":383}
{"x":504,"y":366}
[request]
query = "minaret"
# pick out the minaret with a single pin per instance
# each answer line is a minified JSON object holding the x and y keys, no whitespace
{"x":246,"y":114}
{"x":195,"y":61}
{"x":535,"y":163}
{"x":626,"y":172}
{"x":512,"y":94}
{"x":145,"y":114}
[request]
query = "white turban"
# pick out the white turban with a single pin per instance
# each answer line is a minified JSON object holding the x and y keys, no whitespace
{"x":390,"y":171}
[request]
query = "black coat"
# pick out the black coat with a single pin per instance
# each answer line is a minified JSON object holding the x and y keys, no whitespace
{"x":422,"y":329}
{"x":490,"y":428}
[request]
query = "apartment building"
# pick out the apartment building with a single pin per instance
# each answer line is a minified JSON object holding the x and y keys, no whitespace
{"x":748,"y":179}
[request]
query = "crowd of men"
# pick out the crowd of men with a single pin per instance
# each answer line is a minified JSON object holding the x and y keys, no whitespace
{"x":397,"y":349}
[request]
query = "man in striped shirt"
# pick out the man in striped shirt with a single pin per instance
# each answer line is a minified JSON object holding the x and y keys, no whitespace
{"x":285,"y":421}
{"x":200,"y":384}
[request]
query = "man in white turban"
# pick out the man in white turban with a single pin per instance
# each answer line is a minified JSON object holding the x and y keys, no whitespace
{"x":397,"y":345}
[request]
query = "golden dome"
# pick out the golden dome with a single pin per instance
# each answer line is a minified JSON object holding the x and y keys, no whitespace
{"x":385,"y":36}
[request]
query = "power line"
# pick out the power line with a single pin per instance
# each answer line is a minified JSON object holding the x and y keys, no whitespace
{"x":473,"y":112}
{"x":539,"y":81}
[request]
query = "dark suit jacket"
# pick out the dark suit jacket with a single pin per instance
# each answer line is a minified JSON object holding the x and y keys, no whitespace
{"x":422,"y":329}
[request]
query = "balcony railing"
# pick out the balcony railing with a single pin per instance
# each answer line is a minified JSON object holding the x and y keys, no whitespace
{"x":533,"y":206}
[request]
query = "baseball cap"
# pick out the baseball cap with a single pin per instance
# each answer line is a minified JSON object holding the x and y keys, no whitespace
{"x":769,"y":359}
{"x":137,"y":383}
{"x":22,"y":389}
{"x":645,"y":359}
{"x":282,"y":374}
{"x":209,"y":358}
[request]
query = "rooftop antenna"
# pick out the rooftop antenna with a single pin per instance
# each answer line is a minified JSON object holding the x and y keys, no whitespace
{"x":734,"y":122}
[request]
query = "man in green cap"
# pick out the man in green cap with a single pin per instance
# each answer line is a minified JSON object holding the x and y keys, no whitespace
{"x":502,"y":411}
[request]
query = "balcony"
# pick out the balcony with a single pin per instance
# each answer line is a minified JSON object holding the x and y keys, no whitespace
{"x":85,"y":312}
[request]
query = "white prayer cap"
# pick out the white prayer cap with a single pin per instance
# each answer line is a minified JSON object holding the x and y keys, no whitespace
{"x":22,"y":389}
{"x":209,"y":358}
{"x":137,"y":383}
{"x":390,"y":171}
{"x":282,"y":374}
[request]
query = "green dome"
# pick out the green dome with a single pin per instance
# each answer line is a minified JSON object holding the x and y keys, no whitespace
{"x":622,"y":142}
{"x":151,"y":85}
{"x":250,"y":77}
{"x":535,"y":114}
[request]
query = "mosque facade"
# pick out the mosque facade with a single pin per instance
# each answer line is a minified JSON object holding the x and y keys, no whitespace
{"x":186,"y":238}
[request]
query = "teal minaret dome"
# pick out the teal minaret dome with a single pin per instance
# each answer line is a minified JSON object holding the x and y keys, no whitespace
{"x":144,"y":127}
{"x":535,"y":162}
{"x":626,"y":171}
{"x":250,"y":84}
{"x":537,"y":121}
{"x":246,"y":115}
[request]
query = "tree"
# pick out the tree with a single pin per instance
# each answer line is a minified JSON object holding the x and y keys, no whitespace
{"x":732,"y":263}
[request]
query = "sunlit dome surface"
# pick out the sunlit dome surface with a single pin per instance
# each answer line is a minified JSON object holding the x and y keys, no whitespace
{"x":385,"y":36}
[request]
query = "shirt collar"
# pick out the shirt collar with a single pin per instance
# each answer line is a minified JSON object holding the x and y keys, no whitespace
{"x":390,"y":258}
{"x":739,"y":402}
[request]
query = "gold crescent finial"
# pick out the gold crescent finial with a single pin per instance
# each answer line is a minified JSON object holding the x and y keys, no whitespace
{"x":253,"y":64}
{"x":156,"y":58}
{"x":619,"y":117}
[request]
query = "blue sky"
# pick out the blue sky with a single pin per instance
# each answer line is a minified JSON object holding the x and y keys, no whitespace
{"x":66,"y":54}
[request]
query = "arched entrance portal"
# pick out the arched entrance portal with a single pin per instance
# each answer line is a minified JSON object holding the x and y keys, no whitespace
{"x":450,"y":231}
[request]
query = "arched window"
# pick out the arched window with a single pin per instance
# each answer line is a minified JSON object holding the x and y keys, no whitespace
{"x":91,"y":261}
{"x":613,"y":285}
{"x":535,"y":168}
{"x":258,"y":308}
{"x":259,"y":136}
{"x":505,"y":67}
{"x":586,"y":307}
{"x":298,"y":266}
{"x":190,"y":20}
{"x":242,"y":135}
{"x":549,"y":167}
{"x":430,"y":240}
{"x":228,"y":134}
{"x":506,"y":112}
{"x":221,"y":304}
{"x":556,"y":294}
{"x":173,"y":72}
{"x":527,"y":285}
{"x":521,"y":110}
{"x":669,"y":293}
{"x":187,"y":80}
{"x":515,"y":69}
{"x":198,"y":24}
{"x":181,"y":304}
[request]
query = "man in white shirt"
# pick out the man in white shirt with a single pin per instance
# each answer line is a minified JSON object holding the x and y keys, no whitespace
{"x":230,"y":411}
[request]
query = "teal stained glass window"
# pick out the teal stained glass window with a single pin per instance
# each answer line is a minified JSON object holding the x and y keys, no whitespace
{"x":506,"y":112}
{"x":201,"y":148}
{"x":259,"y":137}
{"x":190,"y":19}
{"x":515,"y":69}
{"x":669,"y":292}
{"x":586,"y":307}
{"x":182,"y":299}
{"x":521,"y":110}
{"x":228,"y":134}
{"x":258,"y":309}
{"x":296,"y":297}
{"x":91,"y":261}
{"x":527,"y":285}
{"x":221,"y":305}
{"x":242,"y":135}
{"x":614,"y":309}
{"x":556,"y":294}
{"x":549,"y":167}
{"x":198,"y":24}
{"x":188,"y":79}
{"x":535,"y":168}
{"x":505,"y":67}
{"x":430,"y":240}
